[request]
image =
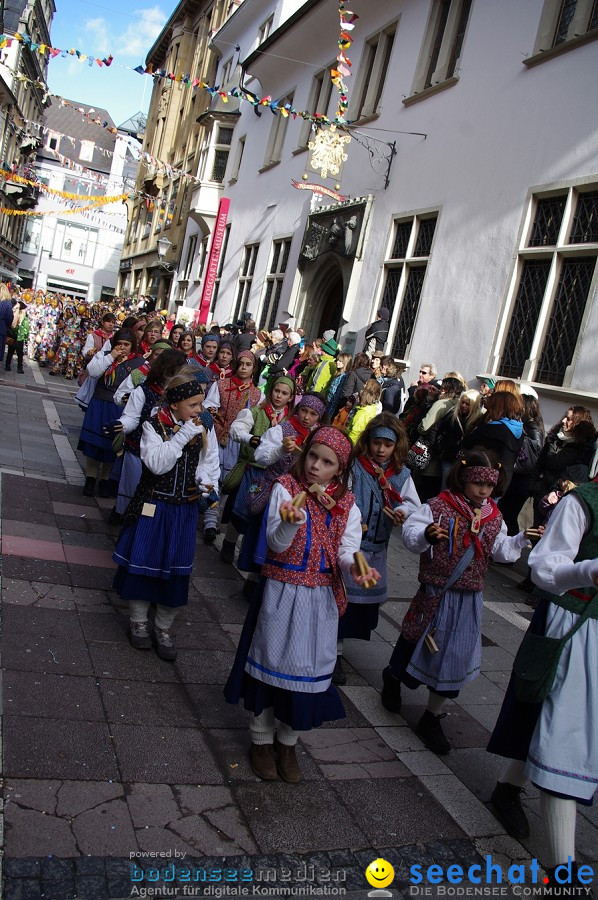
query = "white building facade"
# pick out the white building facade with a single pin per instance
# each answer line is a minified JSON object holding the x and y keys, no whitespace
{"x":78,"y":253}
{"x":483,"y":244}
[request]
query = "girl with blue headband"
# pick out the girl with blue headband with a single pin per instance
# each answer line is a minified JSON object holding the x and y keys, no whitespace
{"x":385,"y":496}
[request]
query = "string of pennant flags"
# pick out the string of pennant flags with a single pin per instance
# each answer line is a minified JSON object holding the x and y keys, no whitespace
{"x":338,"y":74}
{"x":347,"y":20}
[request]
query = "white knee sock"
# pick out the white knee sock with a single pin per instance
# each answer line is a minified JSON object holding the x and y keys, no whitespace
{"x":286,"y":735}
{"x":339,"y":647}
{"x":514,"y":773}
{"x":105,"y":470}
{"x":262,"y":727}
{"x":558,"y":816}
{"x":210,"y":518}
{"x":165,"y":616}
{"x":138,"y":610}
{"x":436,"y":703}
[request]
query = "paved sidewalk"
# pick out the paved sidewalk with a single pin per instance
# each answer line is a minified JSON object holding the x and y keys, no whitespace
{"x":113,"y":757}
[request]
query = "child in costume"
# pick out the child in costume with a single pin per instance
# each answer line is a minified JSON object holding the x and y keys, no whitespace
{"x":287,"y":650}
{"x":554,"y":741}
{"x":276,"y":453}
{"x":386,"y":496}
{"x":223,"y":364}
{"x":225,"y":399}
{"x":155,"y":550}
{"x":140,"y":406}
{"x":248,"y":429}
{"x":440,"y":644}
{"x":110,"y":368}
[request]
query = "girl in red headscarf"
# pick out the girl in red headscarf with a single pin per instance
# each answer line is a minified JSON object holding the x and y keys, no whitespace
{"x":287,"y":650}
{"x":440,"y":644}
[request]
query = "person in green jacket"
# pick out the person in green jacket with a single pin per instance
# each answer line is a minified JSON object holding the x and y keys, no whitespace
{"x":20,"y":328}
{"x":325,"y":371}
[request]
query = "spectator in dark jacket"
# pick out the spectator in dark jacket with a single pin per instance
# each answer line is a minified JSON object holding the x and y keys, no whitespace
{"x":377,"y":333}
{"x":6,"y":314}
{"x":519,"y":490}
{"x":246,"y":338}
{"x":289,"y":355}
{"x":567,"y":452}
{"x":500,"y":431}
{"x":359,"y":374}
{"x":393,"y":386}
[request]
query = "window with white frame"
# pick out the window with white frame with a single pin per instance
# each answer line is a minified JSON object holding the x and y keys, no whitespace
{"x":245,"y":280}
{"x":191,"y":248}
{"x":32,"y":234}
{"x":274,"y":282}
{"x":223,"y":140}
{"x":318,"y":102}
{"x":238,"y":159}
{"x":440,"y":55}
{"x":372,"y":72}
{"x":404,"y":274}
{"x":264,"y":30}
{"x":565,"y":22}
{"x":556,"y":266}
{"x":277,"y":133}
{"x":174,"y":192}
{"x":218,"y":278}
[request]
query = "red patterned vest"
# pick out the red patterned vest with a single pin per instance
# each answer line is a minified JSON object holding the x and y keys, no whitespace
{"x":312,"y":558}
{"x":437,"y":568}
{"x":232,"y":401}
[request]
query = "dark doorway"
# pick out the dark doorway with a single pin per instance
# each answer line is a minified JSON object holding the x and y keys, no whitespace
{"x":331,"y":304}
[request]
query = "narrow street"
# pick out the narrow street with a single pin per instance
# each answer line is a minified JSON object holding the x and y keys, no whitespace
{"x":109,"y":753}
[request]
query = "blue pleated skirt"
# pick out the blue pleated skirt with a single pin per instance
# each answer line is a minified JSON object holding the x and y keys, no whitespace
{"x":129,"y":479}
{"x":301,"y":711}
{"x":92,"y":441}
{"x":158,"y":549}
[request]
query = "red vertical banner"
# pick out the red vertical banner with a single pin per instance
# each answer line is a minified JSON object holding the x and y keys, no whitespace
{"x":213,"y":260}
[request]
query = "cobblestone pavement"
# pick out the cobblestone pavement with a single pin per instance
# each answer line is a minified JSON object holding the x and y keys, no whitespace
{"x":110,"y":755}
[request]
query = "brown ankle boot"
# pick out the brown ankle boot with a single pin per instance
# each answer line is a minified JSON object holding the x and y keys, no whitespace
{"x":261,"y":760}
{"x":288,"y":766}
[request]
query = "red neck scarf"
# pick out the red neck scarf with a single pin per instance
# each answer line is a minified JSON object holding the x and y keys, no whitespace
{"x":302,"y":432}
{"x":275,"y":415}
{"x":102,"y":334}
{"x":145,"y":347}
{"x":110,"y":375}
{"x":236,"y":383}
{"x":219,"y":371}
{"x":476,"y":517}
{"x":382,"y":475}
{"x":144,"y":369}
{"x":323,"y":496}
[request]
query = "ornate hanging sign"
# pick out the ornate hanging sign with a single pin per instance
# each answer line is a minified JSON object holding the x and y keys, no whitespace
{"x":319,"y":189}
{"x":327,"y":152}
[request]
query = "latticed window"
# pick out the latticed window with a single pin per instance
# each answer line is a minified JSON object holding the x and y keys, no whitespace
{"x":409,"y":308}
{"x":525,"y":317}
{"x":274,"y":283}
{"x":553,"y":290}
{"x":401,"y":241}
{"x":425,"y":233}
{"x":245,"y":280}
{"x":391,"y":287}
{"x":565,"y":18}
{"x":585,"y":221}
{"x":565,"y":320}
{"x":403,"y":280}
{"x":547,"y":223}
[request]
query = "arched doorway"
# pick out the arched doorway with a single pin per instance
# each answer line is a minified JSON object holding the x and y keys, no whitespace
{"x":325,"y":297}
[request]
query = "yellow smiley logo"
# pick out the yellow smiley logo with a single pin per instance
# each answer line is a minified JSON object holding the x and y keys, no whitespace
{"x":379,"y":873}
